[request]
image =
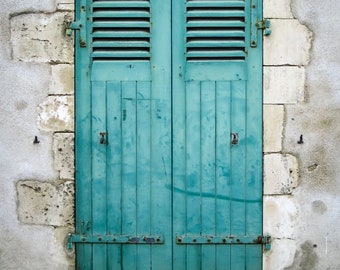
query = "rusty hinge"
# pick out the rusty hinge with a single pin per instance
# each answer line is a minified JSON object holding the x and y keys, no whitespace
{"x":265,"y":26}
{"x":113,"y":239}
{"x":265,"y":240}
{"x":77,"y":25}
{"x":224,"y":240}
{"x":70,"y":25}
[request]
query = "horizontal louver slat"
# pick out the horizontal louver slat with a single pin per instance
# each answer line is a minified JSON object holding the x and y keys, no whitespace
{"x":215,"y":3}
{"x":121,"y":30}
{"x":215,"y":13}
{"x":215,"y":30}
{"x":217,"y":23}
{"x":119,"y":4}
{"x":212,"y":33}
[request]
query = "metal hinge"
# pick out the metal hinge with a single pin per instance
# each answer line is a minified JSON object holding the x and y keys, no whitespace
{"x":70,"y":25}
{"x":265,"y":26}
{"x":224,"y":240}
{"x":266,"y":241}
{"x":113,"y":239}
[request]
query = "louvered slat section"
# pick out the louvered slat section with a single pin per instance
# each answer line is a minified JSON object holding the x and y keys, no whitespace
{"x":120,"y":30}
{"x":215,"y":30}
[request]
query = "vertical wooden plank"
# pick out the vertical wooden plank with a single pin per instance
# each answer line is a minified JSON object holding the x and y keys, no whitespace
{"x":114,"y":167}
{"x":193,"y":173}
{"x":179,"y":175}
{"x":143,"y":171}
{"x":254,"y":143}
{"x":83,"y":173}
{"x":208,"y":177}
{"x":99,"y":171}
{"x":83,"y":145}
{"x":254,"y":257}
{"x":238,"y":158}
{"x":129,"y":165}
{"x":161,"y":180}
{"x":223,"y":183}
{"x":179,"y":133}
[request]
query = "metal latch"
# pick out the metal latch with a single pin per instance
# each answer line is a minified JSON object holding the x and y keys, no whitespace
{"x":265,"y":26}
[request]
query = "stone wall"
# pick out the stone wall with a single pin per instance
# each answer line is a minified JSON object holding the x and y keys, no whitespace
{"x":286,"y":54}
{"x":301,"y":135}
{"x":37,"y":140}
{"x":301,"y":107}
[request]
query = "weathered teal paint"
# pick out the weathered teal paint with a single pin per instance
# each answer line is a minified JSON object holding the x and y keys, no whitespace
{"x":168,"y":84}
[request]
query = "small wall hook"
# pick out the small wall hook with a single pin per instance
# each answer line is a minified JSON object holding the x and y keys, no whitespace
{"x":36,"y":140}
{"x":301,"y":140}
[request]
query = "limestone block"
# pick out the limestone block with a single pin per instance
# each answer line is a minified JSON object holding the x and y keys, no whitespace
{"x":44,"y":203}
{"x":63,"y":150}
{"x":39,"y":37}
{"x":281,"y":255}
{"x":56,"y":114}
{"x":62,"y":79}
{"x":65,"y":4}
{"x":289,"y":43}
{"x":280,"y":216}
{"x":273,"y":116}
{"x":281,"y":174}
{"x":277,"y":9}
{"x":284,"y":85}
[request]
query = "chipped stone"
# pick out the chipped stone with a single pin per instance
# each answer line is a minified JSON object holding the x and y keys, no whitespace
{"x":281,"y":174}
{"x":45,"y":203}
{"x":289,"y":43}
{"x":40,"y":37}
{"x":284,"y":85}
{"x":62,"y":80}
{"x":65,"y":5}
{"x":280,"y":216}
{"x":63,"y":149}
{"x":56,"y":114}
{"x":273,"y":116}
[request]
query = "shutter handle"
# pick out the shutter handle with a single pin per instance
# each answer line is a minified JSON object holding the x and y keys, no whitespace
{"x":234,"y":138}
{"x":103,"y":139}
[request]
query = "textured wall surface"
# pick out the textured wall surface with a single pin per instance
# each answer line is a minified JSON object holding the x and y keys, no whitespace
{"x":36,"y":179}
{"x":301,"y":135}
{"x":301,"y":180}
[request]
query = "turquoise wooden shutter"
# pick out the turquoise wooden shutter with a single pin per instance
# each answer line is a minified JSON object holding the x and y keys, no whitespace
{"x":124,"y":135}
{"x":168,"y":134}
{"x":217,"y":139}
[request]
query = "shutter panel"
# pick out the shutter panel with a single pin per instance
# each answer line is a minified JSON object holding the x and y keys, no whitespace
{"x":216,"y":93}
{"x":121,"y":184}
